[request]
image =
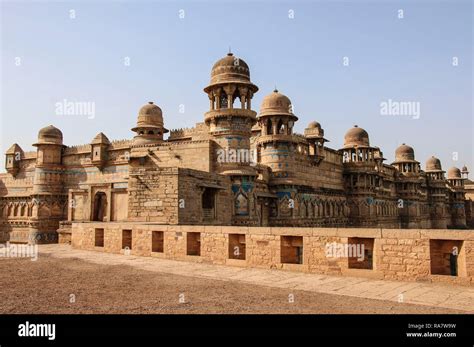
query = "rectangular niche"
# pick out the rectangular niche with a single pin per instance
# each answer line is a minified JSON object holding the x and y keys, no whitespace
{"x":445,"y":257}
{"x":360,"y":257}
{"x":292,"y":249}
{"x":157,"y":241}
{"x":237,"y":246}
{"x":193,"y":243}
{"x":126,"y":239}
{"x":99,"y":237}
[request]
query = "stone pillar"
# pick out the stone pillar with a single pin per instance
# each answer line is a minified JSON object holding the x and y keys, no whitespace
{"x":211,"y":101}
{"x":243,"y":91}
{"x":229,"y":90}
{"x":217,"y":95}
{"x":274,"y":126}
{"x":249,"y":100}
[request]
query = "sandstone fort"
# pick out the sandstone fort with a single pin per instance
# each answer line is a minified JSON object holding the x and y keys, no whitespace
{"x":243,"y":188}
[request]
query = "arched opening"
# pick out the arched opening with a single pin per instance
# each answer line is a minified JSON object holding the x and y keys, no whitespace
{"x":236,"y":96}
{"x":241,"y":205}
{"x":208,"y":203}
{"x":223,"y":101}
{"x":269,"y":127}
{"x":100,"y":205}
{"x":280,"y":129}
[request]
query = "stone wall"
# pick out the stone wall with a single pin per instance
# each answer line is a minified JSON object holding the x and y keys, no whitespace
{"x":192,"y":184}
{"x":153,"y":194}
{"x":396,"y":254}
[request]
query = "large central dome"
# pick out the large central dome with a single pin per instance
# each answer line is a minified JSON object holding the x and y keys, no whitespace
{"x":230,"y":69}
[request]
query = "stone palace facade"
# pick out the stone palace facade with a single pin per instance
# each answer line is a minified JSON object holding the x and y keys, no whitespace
{"x":239,"y":167}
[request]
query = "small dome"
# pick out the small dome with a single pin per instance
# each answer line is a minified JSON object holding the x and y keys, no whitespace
{"x":356,"y":137}
{"x":433,"y":164}
{"x":230,"y":69}
{"x":314,"y":130}
{"x":150,"y":116}
{"x":276,"y":104}
{"x":314,"y":125}
{"x":454,"y":172}
{"x":464,"y":169}
{"x":404,"y":153}
{"x":50,"y":135}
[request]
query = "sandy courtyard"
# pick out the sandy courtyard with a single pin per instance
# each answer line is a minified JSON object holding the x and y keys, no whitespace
{"x":52,"y":285}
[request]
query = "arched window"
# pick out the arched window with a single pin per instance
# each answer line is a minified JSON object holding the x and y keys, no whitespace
{"x":223,"y":100}
{"x":280,"y":128}
{"x":100,"y":205}
{"x":241,"y":205}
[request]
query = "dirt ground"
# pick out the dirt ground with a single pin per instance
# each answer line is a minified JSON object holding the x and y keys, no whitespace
{"x":50,"y":284}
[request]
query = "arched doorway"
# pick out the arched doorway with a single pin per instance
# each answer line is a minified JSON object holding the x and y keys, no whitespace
{"x":100,"y":205}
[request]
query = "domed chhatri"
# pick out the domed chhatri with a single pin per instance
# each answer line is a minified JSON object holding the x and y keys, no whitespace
{"x":315,"y":131}
{"x":454,"y":173}
{"x":405,"y":160}
{"x":150,"y":116}
{"x":150,"y":127}
{"x":277,"y":104}
{"x":433,"y":164}
{"x":50,"y":135}
{"x":405,"y":154}
{"x":356,"y":137}
{"x":230,"y":69}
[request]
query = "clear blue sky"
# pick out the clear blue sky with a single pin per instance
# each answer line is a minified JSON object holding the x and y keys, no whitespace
{"x":82,"y":59}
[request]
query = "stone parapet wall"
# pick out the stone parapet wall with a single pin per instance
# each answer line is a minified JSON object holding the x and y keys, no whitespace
{"x":396,"y":254}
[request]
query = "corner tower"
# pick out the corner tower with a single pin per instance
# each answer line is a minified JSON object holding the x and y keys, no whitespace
{"x":49,"y":199}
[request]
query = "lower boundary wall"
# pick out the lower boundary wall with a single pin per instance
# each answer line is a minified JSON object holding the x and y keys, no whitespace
{"x":396,"y":254}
